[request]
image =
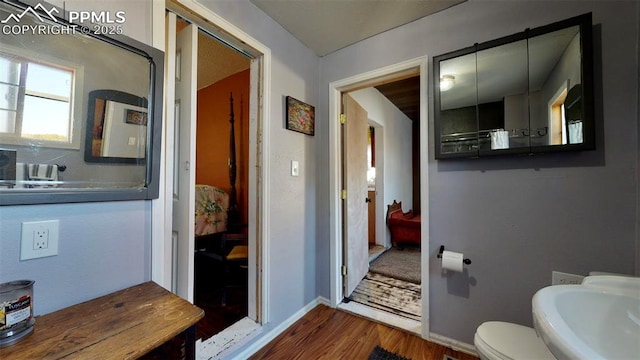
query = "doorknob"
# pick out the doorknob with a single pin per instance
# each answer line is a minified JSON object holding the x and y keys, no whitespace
{"x":367,"y":200}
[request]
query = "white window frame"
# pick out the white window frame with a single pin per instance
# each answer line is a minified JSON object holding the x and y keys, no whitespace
{"x":76,"y":115}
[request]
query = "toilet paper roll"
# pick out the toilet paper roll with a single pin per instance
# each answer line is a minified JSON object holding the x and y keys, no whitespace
{"x":452,"y":260}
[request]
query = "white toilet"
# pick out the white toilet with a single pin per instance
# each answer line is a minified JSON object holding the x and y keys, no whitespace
{"x":497,"y":340}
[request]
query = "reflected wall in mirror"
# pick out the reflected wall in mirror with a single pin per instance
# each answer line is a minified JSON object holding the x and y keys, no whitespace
{"x":116,"y":126}
{"x":525,"y":93}
{"x":502,"y":96}
{"x":457,"y":100}
{"x":554,"y":69}
{"x":53,"y":87}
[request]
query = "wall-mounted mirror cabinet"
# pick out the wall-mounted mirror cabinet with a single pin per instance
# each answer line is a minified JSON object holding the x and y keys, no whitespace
{"x":526,"y":93}
{"x":80,"y":112}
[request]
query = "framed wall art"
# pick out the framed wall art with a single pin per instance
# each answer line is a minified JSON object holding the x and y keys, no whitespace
{"x":300,"y":116}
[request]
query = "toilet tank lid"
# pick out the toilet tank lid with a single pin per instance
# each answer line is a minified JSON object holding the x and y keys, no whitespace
{"x":513,"y":341}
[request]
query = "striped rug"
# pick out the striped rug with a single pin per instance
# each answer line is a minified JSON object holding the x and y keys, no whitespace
{"x":388,"y":294}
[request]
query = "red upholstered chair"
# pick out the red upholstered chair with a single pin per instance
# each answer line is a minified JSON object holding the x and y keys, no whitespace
{"x":404,"y":227}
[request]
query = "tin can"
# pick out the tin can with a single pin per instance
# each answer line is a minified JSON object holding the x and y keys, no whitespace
{"x":16,"y":311}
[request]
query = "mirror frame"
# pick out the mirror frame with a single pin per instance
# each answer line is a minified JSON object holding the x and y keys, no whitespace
{"x":584,"y":22}
{"x":154,"y":130}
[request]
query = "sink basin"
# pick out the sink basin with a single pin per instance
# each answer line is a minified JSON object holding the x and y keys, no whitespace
{"x":624,"y":284}
{"x":597,"y":321}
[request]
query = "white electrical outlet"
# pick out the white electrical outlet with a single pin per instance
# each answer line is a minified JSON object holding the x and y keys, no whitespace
{"x":39,"y":239}
{"x":560,"y":278}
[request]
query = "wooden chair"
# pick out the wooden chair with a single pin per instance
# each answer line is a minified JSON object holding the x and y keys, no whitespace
{"x":233,"y":254}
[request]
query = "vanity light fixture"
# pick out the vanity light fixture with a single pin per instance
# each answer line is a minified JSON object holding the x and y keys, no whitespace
{"x":447,"y":82}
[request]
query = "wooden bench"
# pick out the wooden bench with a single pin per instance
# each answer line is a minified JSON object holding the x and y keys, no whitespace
{"x":127,"y":324}
{"x":404,"y":227}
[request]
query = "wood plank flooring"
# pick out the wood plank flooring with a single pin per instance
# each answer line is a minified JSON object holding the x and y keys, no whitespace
{"x":326,"y":333}
{"x":395,"y":296}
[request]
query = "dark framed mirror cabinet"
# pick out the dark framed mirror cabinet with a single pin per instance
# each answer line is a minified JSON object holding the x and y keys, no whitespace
{"x":527,"y":93}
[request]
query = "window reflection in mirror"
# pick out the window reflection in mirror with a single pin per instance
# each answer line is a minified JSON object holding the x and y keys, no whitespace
{"x":37,"y":101}
{"x":45,"y":82}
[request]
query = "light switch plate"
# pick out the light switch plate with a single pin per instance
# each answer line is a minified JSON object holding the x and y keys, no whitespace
{"x":295,"y":168}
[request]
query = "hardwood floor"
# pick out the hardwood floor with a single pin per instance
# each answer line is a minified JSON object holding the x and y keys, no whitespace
{"x":326,"y":333}
{"x":208,"y":296}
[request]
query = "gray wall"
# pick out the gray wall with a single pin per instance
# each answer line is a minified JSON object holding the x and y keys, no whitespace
{"x":517,"y":218}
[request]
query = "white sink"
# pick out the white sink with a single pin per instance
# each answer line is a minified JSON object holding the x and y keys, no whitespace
{"x":597,"y":320}
{"x":623,"y":284}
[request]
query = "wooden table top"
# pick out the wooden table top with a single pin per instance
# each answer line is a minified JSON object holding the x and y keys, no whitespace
{"x":123,"y":325}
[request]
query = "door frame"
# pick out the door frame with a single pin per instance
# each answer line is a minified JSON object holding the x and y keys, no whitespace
{"x":259,"y":172}
{"x":382,"y":236}
{"x":364,"y":80}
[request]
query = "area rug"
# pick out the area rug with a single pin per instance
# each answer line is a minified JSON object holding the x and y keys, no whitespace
{"x":391,"y":295}
{"x":379,"y":353}
{"x":399,"y":264}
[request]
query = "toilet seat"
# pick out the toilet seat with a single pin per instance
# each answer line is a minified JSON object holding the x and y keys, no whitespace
{"x":506,"y":341}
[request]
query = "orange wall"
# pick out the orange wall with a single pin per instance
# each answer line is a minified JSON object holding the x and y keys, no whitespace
{"x":212,"y":136}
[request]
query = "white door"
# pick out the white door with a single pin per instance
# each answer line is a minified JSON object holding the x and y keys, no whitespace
{"x":355,"y":209}
{"x":185,"y":156}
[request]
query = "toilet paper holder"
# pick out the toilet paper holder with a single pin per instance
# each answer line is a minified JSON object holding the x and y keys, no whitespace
{"x":465,"y":261}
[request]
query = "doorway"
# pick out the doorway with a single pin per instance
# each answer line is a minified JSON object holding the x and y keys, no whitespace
{"x":337,"y":89}
{"x":181,"y":164}
{"x":221,"y":166}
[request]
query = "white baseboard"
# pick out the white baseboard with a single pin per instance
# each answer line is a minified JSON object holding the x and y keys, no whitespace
{"x":228,"y":340}
{"x":454,"y":344}
{"x":267,"y":337}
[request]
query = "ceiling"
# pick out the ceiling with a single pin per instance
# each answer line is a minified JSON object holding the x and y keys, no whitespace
{"x":217,"y":61}
{"x":405,"y":95}
{"x":352,"y":21}
{"x":329,"y":25}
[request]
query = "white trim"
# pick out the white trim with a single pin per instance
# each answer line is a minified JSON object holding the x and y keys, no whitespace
{"x":424,"y":196}
{"x":453,"y":344}
{"x":219,"y":346}
{"x":264,"y":340}
{"x":162,"y":208}
{"x":158,"y":24}
{"x":161,"y":238}
{"x":335,"y":219}
{"x":550,"y":125}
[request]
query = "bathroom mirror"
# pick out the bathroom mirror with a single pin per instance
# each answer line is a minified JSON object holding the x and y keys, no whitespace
{"x":116,"y":127}
{"x":529,"y":92}
{"x":80,"y":115}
